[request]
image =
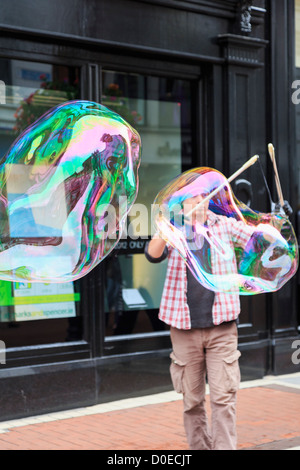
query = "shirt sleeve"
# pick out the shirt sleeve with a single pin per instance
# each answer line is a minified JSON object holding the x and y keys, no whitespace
{"x":241,"y":232}
{"x":156,"y":260}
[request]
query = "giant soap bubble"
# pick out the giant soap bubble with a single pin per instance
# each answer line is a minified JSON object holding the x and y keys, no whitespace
{"x":227,"y":246}
{"x":67,"y":184}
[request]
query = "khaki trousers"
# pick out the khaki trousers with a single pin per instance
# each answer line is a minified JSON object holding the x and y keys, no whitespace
{"x":210,"y":352}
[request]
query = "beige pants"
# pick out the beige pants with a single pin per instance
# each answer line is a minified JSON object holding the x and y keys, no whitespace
{"x":210,"y":352}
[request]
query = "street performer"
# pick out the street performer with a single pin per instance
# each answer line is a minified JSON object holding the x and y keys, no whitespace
{"x":204,"y":337}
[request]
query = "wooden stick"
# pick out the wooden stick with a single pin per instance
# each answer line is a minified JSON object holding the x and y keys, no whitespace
{"x":277,"y":181}
{"x":231,"y":178}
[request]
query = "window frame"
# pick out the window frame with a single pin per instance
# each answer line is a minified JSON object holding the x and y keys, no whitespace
{"x":160,"y":340}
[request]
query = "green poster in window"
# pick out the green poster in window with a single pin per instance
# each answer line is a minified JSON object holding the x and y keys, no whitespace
{"x":34,"y":301}
{"x":6,"y":298}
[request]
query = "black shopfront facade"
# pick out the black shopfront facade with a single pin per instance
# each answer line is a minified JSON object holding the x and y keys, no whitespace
{"x":206,"y":83}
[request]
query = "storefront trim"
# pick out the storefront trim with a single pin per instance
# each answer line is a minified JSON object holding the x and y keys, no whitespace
{"x":112,"y":46}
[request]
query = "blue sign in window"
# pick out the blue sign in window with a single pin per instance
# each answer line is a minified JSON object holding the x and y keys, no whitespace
{"x":28,"y":74}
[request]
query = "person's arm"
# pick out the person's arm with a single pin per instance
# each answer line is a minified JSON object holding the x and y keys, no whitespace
{"x":156,"y":247}
{"x":268,"y":230}
{"x":156,"y":250}
{"x":240,"y":232}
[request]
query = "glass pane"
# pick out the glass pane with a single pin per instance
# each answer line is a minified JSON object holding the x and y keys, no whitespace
{"x":31,"y":89}
{"x":160,"y":110}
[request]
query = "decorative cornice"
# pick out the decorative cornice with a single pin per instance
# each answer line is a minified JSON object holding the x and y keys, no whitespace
{"x":242,"y":50}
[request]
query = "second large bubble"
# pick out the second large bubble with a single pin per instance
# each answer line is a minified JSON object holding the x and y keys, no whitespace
{"x":227,"y":246}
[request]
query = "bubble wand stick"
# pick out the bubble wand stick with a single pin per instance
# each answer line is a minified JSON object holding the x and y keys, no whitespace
{"x":277,"y":181}
{"x":231,"y":178}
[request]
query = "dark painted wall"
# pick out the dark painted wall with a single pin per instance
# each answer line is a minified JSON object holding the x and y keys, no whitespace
{"x":177,"y":27}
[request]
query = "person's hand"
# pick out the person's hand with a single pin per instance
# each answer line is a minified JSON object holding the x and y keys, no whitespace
{"x":287,"y":208}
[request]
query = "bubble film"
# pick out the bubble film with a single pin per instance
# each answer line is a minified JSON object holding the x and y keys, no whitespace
{"x":67,"y":184}
{"x":227,"y":246}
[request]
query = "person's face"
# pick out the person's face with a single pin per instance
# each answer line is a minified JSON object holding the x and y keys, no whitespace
{"x":199,"y":210}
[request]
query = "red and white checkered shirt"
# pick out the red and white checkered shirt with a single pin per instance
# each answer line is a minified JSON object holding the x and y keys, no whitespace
{"x":174,"y":309}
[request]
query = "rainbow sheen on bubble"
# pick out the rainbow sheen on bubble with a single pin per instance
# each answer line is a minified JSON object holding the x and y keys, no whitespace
{"x":67,"y":184}
{"x":235,"y":249}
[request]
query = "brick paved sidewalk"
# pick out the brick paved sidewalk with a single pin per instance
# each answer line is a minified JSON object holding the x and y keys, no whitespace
{"x":267,"y":419}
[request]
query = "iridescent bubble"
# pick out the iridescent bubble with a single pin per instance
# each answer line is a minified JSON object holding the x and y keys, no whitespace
{"x":67,"y":184}
{"x":227,"y":246}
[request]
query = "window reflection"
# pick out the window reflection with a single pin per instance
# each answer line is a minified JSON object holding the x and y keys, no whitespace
{"x":160,"y":110}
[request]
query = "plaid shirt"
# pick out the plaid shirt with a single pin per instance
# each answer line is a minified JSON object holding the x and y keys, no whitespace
{"x":174,"y":309}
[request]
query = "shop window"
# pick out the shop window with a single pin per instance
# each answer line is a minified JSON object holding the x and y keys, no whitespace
{"x":34,"y":313}
{"x":160,"y":110}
